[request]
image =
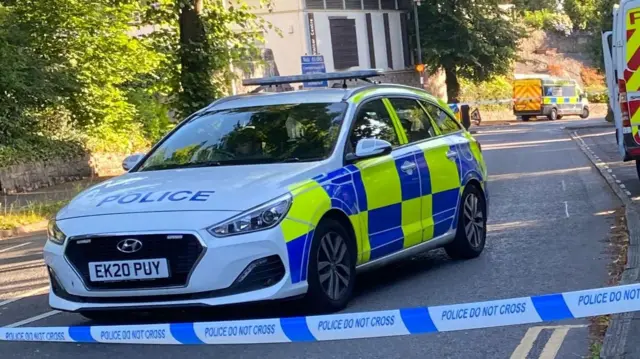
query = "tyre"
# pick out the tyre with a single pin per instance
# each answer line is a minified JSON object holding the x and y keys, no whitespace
{"x":471,"y":233}
{"x":638,"y":168}
{"x":525,"y":118}
{"x":585,"y":113}
{"x":553,"y":115}
{"x":332,"y":267}
{"x":559,"y":117}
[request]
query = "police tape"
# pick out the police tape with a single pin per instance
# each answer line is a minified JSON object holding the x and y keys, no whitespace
{"x":385,"y":323}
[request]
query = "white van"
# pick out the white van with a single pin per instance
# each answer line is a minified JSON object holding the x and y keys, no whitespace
{"x":621,"y":49}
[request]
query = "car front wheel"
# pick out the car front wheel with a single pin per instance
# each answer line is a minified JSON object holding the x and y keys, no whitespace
{"x":471,"y":232}
{"x":332,"y":267}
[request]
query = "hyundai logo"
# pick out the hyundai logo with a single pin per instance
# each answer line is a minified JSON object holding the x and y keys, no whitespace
{"x":129,"y":245}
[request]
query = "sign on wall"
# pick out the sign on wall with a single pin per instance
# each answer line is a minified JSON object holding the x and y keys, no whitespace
{"x":314,"y":65}
{"x":312,"y":35}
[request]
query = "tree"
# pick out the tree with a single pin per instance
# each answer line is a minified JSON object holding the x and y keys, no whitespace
{"x":582,"y":13}
{"x":535,"y":5}
{"x":203,"y":39}
{"x":467,"y":38}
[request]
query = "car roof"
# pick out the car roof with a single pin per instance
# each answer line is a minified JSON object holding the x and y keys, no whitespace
{"x":332,"y":95}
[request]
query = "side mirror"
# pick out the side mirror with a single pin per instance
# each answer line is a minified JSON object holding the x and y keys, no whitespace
{"x":370,"y":147}
{"x":131,"y":161}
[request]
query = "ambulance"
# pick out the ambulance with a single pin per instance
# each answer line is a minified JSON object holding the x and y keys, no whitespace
{"x":621,"y":51}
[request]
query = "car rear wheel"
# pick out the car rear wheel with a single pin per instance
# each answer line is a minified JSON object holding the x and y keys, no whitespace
{"x":332,"y":267}
{"x":471,"y":233}
{"x":525,"y":118}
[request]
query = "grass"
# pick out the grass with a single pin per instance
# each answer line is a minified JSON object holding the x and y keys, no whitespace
{"x":32,"y":213}
{"x":618,"y":245}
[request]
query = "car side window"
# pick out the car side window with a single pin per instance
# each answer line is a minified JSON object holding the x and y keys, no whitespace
{"x":414,"y":120}
{"x":445,"y":123}
{"x":373,"y":121}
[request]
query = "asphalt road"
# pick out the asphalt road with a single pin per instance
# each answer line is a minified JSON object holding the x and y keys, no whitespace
{"x":550,"y":216}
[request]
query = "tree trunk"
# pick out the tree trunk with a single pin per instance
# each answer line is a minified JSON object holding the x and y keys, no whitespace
{"x":195,"y":73}
{"x":453,"y":86}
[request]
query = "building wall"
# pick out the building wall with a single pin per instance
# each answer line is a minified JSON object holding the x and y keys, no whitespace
{"x":323,"y":38}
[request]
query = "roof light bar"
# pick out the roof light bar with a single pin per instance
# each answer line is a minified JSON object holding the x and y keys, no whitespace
{"x":279,"y":80}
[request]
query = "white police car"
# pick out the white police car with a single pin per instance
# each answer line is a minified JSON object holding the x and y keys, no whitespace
{"x":270,"y":196}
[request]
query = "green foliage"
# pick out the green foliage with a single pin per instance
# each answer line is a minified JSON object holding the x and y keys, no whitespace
{"x":498,"y":88}
{"x":603,"y":22}
{"x":11,"y":218}
{"x":224,"y":36}
{"x":548,"y":21}
{"x":597,"y":95}
{"x":467,"y":38}
{"x":581,"y":12}
{"x":535,"y":5}
{"x":38,"y":148}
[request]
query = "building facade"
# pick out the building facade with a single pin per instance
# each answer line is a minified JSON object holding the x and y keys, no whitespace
{"x":349,"y":34}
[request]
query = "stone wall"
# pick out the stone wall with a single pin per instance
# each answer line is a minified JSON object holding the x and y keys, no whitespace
{"x":31,"y":176}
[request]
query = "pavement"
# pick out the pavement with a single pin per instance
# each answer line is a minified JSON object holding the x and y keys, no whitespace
{"x":549,"y":227}
{"x":600,"y":145}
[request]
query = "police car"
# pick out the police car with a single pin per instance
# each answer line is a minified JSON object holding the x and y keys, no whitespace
{"x":268,"y":196}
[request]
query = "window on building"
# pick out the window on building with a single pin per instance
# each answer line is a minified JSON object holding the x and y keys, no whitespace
{"x":371,"y":4}
{"x":353,"y":4}
{"x":344,"y":43}
{"x":414,"y":120}
{"x":314,"y":4}
{"x":388,"y":4}
{"x":444,"y":121}
{"x":334,"y":4}
{"x":373,"y":121}
{"x":405,"y":4}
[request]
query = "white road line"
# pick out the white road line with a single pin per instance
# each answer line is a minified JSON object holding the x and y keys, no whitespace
{"x":566,"y":208}
{"x":553,"y":345}
{"x":14,"y":247}
{"x":526,"y":343}
{"x":24,"y":295}
{"x":564,"y":188}
{"x":33,"y":319}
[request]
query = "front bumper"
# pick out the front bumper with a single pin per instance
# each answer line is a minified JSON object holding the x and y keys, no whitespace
{"x":239,"y":269}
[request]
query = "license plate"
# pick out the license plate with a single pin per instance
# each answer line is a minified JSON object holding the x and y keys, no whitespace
{"x":128,"y":270}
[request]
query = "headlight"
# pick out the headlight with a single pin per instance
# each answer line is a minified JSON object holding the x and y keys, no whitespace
{"x":54,"y":234}
{"x":259,"y":218}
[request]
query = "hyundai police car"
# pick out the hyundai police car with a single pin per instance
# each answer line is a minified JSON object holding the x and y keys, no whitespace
{"x":268,"y":196}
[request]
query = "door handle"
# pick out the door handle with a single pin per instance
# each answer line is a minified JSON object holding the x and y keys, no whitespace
{"x":452,"y":154}
{"x":408,"y":167}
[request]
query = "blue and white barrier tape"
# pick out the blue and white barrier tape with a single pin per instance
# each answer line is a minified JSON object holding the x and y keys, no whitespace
{"x":524,"y":310}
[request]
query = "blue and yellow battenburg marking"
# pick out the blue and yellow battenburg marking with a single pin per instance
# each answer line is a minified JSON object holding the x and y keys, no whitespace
{"x":389,"y":209}
{"x":558,"y":100}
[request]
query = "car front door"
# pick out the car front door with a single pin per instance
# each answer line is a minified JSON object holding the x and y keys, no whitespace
{"x":389,"y":215}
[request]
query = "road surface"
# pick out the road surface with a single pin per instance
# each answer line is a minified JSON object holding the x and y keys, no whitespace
{"x":550,"y":217}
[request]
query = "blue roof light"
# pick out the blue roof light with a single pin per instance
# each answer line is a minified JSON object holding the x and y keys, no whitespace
{"x":279,"y":80}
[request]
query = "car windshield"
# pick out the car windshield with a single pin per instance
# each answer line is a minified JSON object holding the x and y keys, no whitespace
{"x":252,"y":135}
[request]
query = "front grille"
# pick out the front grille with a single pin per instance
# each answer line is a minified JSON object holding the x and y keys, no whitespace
{"x":182,"y":255}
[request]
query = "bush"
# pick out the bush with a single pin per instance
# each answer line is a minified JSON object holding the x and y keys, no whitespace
{"x":548,"y":21}
{"x":499,"y":88}
{"x":38,"y":148}
{"x":598,"y":97}
{"x":591,"y":77}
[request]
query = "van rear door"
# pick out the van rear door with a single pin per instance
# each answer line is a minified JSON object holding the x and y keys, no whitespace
{"x":612,"y":87}
{"x":527,"y":96}
{"x":629,"y":21}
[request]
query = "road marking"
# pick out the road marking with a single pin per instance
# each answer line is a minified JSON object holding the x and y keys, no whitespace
{"x":628,"y":193}
{"x":564,"y":188}
{"x":566,"y":208}
{"x":623,"y":186}
{"x":24,"y":295}
{"x":551,"y":347}
{"x":14,"y":247}
{"x":33,"y":319}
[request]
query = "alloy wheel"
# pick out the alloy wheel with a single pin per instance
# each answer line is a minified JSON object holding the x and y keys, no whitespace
{"x":473,"y":221}
{"x":334,"y":265}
